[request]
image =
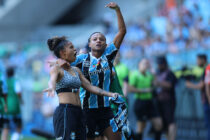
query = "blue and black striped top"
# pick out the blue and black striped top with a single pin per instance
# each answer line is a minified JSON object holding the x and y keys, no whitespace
{"x":98,"y":72}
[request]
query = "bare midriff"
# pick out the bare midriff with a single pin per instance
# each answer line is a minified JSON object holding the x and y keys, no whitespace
{"x":69,"y":98}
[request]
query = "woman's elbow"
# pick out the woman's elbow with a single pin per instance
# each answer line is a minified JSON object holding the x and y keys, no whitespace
{"x":123,"y":31}
{"x":87,"y":87}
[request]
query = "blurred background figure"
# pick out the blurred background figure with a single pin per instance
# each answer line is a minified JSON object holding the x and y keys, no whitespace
{"x":14,"y":101}
{"x":119,"y":73}
{"x":207,"y":106}
{"x":198,"y":70}
{"x":201,"y":73}
{"x":141,"y":83}
{"x":3,"y":100}
{"x":165,"y":82}
{"x":121,"y":70}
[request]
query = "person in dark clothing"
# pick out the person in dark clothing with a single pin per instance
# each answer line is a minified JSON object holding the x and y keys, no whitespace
{"x":202,"y":85}
{"x":207,"y":105}
{"x":3,"y":104}
{"x":14,"y":101}
{"x":165,"y":82}
{"x":140,"y":82}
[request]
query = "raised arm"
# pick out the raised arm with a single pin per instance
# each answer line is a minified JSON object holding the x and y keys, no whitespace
{"x":93,"y":89}
{"x":121,"y":24}
{"x":52,"y":82}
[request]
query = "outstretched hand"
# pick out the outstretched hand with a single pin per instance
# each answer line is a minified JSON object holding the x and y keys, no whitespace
{"x":112,"y":5}
{"x":50,"y":92}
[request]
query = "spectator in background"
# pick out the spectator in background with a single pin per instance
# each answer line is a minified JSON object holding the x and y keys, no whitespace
{"x":202,"y":85}
{"x":119,"y":72}
{"x":141,"y":83}
{"x":165,"y":82}
{"x":84,"y":50}
{"x":14,"y":100}
{"x":121,"y":69}
{"x":201,"y":65}
{"x":199,"y":73}
{"x":207,"y":106}
{"x":3,"y":106}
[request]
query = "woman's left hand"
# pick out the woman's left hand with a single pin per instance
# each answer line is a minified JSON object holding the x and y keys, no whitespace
{"x":112,"y":5}
{"x":115,"y":95}
{"x":50,"y":92}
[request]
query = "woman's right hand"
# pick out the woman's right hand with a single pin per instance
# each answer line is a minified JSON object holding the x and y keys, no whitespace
{"x":59,"y":62}
{"x":113,"y":5}
{"x":50,"y":92}
{"x":52,"y":62}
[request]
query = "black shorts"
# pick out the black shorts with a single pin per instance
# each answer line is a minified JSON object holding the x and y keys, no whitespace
{"x":167,"y":110}
{"x":145,"y":109}
{"x":2,"y":121}
{"x":69,"y":122}
{"x":97,"y":120}
{"x":16,"y":119}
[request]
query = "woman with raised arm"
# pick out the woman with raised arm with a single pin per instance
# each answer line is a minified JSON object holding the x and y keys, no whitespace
{"x":97,"y":68}
{"x":68,"y":119}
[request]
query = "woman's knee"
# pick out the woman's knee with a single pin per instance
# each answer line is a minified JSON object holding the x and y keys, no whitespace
{"x":158,"y":125}
{"x":140,"y":127}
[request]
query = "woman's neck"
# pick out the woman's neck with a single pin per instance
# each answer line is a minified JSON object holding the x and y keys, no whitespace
{"x":96,"y":54}
{"x":66,"y":66}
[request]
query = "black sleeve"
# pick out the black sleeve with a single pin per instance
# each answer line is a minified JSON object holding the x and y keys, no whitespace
{"x":171,"y":78}
{"x":203,"y":76}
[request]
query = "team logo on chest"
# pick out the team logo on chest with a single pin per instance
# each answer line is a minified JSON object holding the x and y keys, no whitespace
{"x":97,"y":71}
{"x":96,"y":65}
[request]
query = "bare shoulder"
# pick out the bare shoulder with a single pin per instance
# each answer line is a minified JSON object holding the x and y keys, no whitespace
{"x":55,"y":69}
{"x":77,"y":69}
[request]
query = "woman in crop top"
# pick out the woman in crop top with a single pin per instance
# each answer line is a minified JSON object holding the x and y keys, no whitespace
{"x":68,"y":119}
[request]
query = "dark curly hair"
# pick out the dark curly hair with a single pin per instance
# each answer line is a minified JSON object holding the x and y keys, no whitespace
{"x":56,"y":44}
